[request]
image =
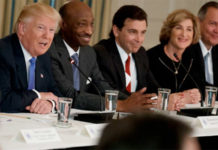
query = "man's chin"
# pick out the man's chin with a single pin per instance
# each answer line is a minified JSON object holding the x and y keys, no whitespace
{"x":42,"y":51}
{"x":214,"y":43}
{"x":84,"y":43}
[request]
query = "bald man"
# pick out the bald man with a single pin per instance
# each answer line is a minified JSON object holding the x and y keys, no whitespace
{"x":70,"y":51}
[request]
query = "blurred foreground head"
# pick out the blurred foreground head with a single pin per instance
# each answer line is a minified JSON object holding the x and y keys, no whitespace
{"x":149,"y":131}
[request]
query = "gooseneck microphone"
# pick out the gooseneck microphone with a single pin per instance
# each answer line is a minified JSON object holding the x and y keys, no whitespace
{"x":99,"y":93}
{"x":188,"y":73}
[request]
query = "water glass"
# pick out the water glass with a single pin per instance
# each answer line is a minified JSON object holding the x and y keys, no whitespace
{"x":64,"y":106}
{"x":210,"y":96}
{"x":163,"y":98}
{"x":111,"y":97}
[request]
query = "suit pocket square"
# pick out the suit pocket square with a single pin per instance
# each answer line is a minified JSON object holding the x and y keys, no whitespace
{"x":89,"y":80}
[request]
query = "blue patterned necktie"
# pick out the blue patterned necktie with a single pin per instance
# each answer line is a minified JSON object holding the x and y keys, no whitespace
{"x":31,"y":84}
{"x":76,"y":77}
{"x":206,"y":64}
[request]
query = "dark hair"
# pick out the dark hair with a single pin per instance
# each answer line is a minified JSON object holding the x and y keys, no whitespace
{"x":127,"y":11}
{"x":203,"y":10}
{"x":144,"y":132}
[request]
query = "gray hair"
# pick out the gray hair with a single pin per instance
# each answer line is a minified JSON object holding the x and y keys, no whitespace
{"x":203,"y":10}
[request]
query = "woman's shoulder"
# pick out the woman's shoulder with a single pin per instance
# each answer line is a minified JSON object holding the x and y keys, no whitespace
{"x":155,"y":51}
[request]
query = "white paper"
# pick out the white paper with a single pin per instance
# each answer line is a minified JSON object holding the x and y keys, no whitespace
{"x":5,"y":119}
{"x":95,"y":130}
{"x":40,"y":135}
{"x":209,"y":122}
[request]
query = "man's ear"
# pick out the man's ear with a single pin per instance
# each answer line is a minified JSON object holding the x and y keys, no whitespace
{"x":115,"y":30}
{"x":63,"y":25}
{"x":21,"y":28}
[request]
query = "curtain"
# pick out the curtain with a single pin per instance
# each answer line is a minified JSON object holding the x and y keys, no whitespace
{"x":101,"y":11}
{"x":10,"y":9}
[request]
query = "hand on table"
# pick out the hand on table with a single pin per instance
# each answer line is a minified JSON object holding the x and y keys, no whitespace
{"x":192,"y":96}
{"x":176,"y":101}
{"x":43,"y":105}
{"x":136,"y":102}
{"x":40,"y":106}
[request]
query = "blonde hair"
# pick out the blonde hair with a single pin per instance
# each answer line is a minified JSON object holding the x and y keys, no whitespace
{"x":37,"y":10}
{"x":173,"y":19}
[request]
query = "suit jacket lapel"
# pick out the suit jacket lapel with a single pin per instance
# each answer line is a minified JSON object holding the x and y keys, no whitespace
{"x":118,"y":63}
{"x":20,"y":62}
{"x":39,"y":73}
{"x":138,"y":71}
{"x":215,"y":62}
{"x":82,"y":66}
{"x":64,"y":56}
{"x":200,"y":55}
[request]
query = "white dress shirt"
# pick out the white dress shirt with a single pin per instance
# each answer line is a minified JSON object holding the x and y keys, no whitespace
{"x":133,"y":72}
{"x":27,"y":57}
{"x":204,"y":51}
{"x":70,"y":50}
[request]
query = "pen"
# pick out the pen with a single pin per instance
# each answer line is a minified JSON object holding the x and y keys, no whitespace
{"x":154,"y":97}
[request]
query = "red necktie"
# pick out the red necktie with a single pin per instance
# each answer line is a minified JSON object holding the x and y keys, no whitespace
{"x":128,"y":87}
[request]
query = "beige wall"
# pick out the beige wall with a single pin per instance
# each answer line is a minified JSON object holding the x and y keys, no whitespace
{"x":157,"y":11}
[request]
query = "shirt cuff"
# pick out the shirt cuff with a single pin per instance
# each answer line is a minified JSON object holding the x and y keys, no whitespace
{"x":53,"y":106}
{"x":38,"y":94}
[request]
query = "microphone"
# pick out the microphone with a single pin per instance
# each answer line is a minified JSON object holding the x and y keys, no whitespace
{"x":99,"y":93}
{"x":88,"y":78}
{"x":188,"y":72}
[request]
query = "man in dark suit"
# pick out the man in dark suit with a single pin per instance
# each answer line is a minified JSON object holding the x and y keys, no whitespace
{"x":205,"y":52}
{"x":125,"y":43}
{"x":26,"y":81}
{"x":70,"y":47}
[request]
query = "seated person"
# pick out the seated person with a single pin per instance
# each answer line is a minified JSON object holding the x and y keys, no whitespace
{"x":147,"y":131}
{"x":75,"y":34}
{"x":122,"y":59}
{"x":26,"y":81}
{"x":205,"y":52}
{"x":179,"y":31}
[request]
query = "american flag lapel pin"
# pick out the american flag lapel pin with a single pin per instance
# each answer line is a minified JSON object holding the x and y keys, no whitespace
{"x":41,"y":75}
{"x":72,"y":61}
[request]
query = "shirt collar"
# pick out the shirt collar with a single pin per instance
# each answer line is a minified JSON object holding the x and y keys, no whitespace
{"x":204,"y":49}
{"x":70,"y":50}
{"x":122,"y":53}
{"x":27,"y":55}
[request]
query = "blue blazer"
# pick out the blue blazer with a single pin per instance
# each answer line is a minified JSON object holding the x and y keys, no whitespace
{"x":13,"y":76}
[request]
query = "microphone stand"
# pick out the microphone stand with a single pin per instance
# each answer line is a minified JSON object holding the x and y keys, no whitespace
{"x":99,"y":93}
{"x":188,"y":71}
